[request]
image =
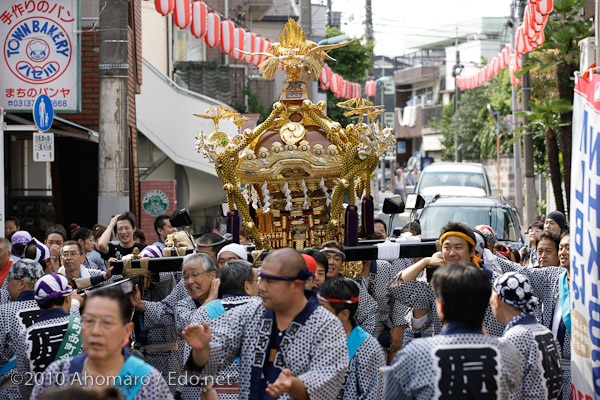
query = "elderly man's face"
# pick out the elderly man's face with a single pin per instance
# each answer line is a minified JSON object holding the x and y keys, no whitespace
{"x":72,"y":259}
{"x":196,"y":280}
{"x":4,"y":254}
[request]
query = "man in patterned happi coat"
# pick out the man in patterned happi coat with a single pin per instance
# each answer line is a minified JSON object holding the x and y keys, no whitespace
{"x":457,"y":246}
{"x":363,"y":379}
{"x":159,"y":319}
{"x":551,"y":286}
{"x":238,"y":285}
{"x":461,"y":362}
{"x":15,"y":316}
{"x":367,"y":315}
{"x":55,"y":335}
{"x":289,"y":347}
{"x":513,"y":303}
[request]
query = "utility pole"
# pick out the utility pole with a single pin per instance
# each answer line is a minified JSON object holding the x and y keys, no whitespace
{"x":517,"y":144}
{"x":370,"y":37}
{"x":329,"y":16}
{"x":530,"y":201}
{"x":113,"y":171}
{"x":455,"y":72}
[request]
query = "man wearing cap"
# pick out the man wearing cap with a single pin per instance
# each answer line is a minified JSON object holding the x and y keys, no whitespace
{"x":457,"y":246}
{"x":551,"y":286}
{"x":5,"y":263}
{"x":232,"y":251}
{"x":461,"y":362}
{"x":367,"y":314}
{"x":19,"y":240}
{"x":513,"y":303}
{"x":18,"y":314}
{"x":289,"y":347}
{"x":56,"y":334}
{"x":555,"y":222}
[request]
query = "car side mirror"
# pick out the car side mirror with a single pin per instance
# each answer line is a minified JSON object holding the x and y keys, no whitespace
{"x":414,"y":202}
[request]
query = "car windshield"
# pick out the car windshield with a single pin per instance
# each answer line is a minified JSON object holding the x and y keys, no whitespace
{"x":434,"y":218}
{"x":444,"y":178}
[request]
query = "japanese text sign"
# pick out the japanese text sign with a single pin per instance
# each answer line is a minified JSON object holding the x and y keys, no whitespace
{"x":40,"y":43}
{"x":585,"y":241}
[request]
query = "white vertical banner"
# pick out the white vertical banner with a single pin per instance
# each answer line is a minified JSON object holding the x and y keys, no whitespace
{"x":40,"y":41}
{"x":585,"y":240}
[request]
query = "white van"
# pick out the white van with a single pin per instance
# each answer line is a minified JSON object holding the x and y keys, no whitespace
{"x":453,"y":179}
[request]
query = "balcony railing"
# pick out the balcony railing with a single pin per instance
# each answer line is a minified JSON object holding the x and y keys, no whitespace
{"x":411,"y":120}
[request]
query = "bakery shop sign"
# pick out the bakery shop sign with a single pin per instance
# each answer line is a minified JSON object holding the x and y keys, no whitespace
{"x":40,"y":54}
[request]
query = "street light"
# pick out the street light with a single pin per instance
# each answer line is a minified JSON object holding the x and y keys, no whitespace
{"x":496,"y":116}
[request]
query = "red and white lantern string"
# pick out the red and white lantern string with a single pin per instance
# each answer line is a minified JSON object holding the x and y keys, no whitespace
{"x":165,"y":7}
{"x":233,"y":40}
{"x":529,"y":37}
{"x":213,"y":32}
{"x":227,"y":42}
{"x":238,"y":43}
{"x":182,"y":12}
{"x":249,"y":46}
{"x":199,"y":13}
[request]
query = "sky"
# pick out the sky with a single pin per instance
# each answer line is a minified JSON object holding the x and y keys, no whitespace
{"x":396,"y":23}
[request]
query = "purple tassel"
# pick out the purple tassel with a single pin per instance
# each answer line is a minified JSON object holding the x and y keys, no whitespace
{"x":351,"y":229}
{"x":368,"y":211}
{"x":233,"y":225}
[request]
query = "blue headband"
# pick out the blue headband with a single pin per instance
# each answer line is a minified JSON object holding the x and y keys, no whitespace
{"x":303,"y":275}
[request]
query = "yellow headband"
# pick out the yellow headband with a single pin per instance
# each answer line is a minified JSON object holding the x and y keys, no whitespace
{"x":459,"y":234}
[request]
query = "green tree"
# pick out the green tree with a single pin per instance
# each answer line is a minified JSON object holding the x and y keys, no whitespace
{"x":546,"y":117}
{"x":560,"y":55}
{"x":352,"y":63}
{"x":473,"y":123}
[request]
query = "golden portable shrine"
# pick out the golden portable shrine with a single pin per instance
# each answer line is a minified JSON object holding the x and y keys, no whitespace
{"x":288,"y":177}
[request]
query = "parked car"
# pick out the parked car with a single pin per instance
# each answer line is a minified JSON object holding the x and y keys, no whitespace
{"x":472,"y":211}
{"x":443,"y":178}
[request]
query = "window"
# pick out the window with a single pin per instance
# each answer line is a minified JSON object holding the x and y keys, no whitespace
{"x":187,"y":47}
{"x":500,"y":219}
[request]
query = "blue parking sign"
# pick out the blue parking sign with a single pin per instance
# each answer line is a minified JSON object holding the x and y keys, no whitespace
{"x":43,"y":112}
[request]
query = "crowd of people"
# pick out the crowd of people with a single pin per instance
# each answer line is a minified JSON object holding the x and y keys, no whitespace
{"x":474,"y":320}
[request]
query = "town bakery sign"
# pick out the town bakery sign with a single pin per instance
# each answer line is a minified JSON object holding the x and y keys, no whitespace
{"x":40,"y":54}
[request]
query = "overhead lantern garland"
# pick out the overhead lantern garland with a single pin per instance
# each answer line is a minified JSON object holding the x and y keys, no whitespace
{"x":199,"y":15}
{"x":249,"y":46}
{"x":528,"y":37}
{"x":165,"y":7}
{"x":227,"y":33}
{"x":213,"y":33}
{"x":182,"y":13}
{"x":243,"y":45}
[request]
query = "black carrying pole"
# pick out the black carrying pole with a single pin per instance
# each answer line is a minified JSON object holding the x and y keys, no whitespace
{"x":366,"y":250}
